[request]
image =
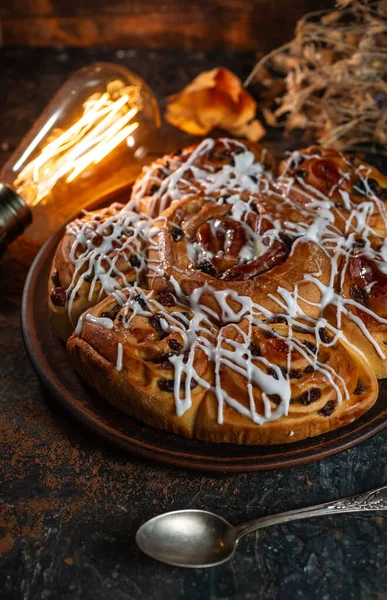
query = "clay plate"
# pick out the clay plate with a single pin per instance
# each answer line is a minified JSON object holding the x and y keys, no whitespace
{"x":48,"y":356}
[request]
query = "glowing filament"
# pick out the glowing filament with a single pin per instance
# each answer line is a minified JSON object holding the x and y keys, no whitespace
{"x":103,"y":125}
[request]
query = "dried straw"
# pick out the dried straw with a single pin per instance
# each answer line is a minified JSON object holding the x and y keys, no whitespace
{"x":331,"y":79}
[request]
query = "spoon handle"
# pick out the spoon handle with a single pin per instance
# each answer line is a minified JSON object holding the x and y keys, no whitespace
{"x":372,"y":500}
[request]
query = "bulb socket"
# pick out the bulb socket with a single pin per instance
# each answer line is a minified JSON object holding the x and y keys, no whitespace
{"x":15,"y":216}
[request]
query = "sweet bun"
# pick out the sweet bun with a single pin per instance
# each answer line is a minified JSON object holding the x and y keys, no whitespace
{"x":231,"y":300}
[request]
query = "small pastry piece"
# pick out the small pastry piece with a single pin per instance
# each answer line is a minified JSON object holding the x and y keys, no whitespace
{"x":359,"y":309}
{"x":352,"y":187}
{"x":139,"y":350}
{"x":211,"y":168}
{"x":279,"y":384}
{"x":100,"y":252}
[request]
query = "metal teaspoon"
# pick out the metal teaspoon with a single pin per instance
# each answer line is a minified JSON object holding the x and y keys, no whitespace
{"x":197,"y":538}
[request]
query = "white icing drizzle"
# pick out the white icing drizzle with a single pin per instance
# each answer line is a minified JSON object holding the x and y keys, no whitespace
{"x":102,"y":243}
{"x":119,"y":356}
{"x":296,"y":209}
{"x":101,"y":321}
{"x":171,"y":184}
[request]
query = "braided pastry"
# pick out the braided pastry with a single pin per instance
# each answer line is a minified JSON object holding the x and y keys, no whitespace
{"x":240,"y":305}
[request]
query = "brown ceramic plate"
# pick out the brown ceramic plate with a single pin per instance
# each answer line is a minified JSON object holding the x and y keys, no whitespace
{"x":48,"y":356}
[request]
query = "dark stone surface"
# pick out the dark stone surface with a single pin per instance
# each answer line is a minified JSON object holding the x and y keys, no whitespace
{"x":70,"y":505}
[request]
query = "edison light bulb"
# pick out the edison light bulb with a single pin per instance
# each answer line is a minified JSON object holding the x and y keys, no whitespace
{"x":90,"y":141}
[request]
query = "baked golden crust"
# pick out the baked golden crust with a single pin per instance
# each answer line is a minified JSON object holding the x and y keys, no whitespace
{"x":328,"y":386}
{"x":362,"y":315}
{"x":258,"y":308}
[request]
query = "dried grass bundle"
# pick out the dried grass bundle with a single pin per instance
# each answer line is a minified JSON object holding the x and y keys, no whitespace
{"x":331,"y":79}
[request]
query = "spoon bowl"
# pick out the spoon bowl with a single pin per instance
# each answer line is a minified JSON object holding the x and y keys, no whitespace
{"x":188,"y":538}
{"x":197,"y":538}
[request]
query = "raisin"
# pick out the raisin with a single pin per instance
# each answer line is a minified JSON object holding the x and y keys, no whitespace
{"x":254,"y":178}
{"x":295,"y":374}
{"x":324,"y":337}
{"x":186,"y":356}
{"x":301,"y":173}
{"x":254,"y":349}
{"x":111,"y":314}
{"x":120,"y":318}
{"x":165,"y":365}
{"x":155,"y":188}
{"x":358,"y":294}
{"x":286,"y":239}
{"x":269,"y":334}
{"x":154,"y":321}
{"x":182,"y":321}
{"x":316,"y":150}
{"x":359,"y":389}
{"x":178,"y":152}
{"x":192,"y":384}
{"x":239,"y":150}
{"x":273,"y":373}
{"x":276,"y":398}
{"x":373,"y":184}
{"x":358,"y":244}
{"x":166,"y":299}
{"x":279,"y":319}
{"x":206,"y":267}
{"x":162,"y":358}
{"x":177,"y":234}
{"x":135,"y":261}
{"x":59,"y":296}
{"x":220,"y":154}
{"x":175,"y":345}
{"x":310,"y":396}
{"x":309,"y":369}
{"x":359,"y":188}
{"x":311,"y":347}
{"x":96,"y":240}
{"x":88,"y":278}
{"x":55,"y":278}
{"x":166,"y":385}
{"x":328,"y":409}
{"x":297,"y":329}
{"x":137,"y":298}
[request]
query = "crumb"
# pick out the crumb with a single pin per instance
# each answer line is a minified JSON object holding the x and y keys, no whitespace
{"x":307,"y":480}
{"x":69,"y":561}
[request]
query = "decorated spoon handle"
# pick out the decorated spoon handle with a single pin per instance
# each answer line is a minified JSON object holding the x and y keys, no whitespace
{"x":372,"y":500}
